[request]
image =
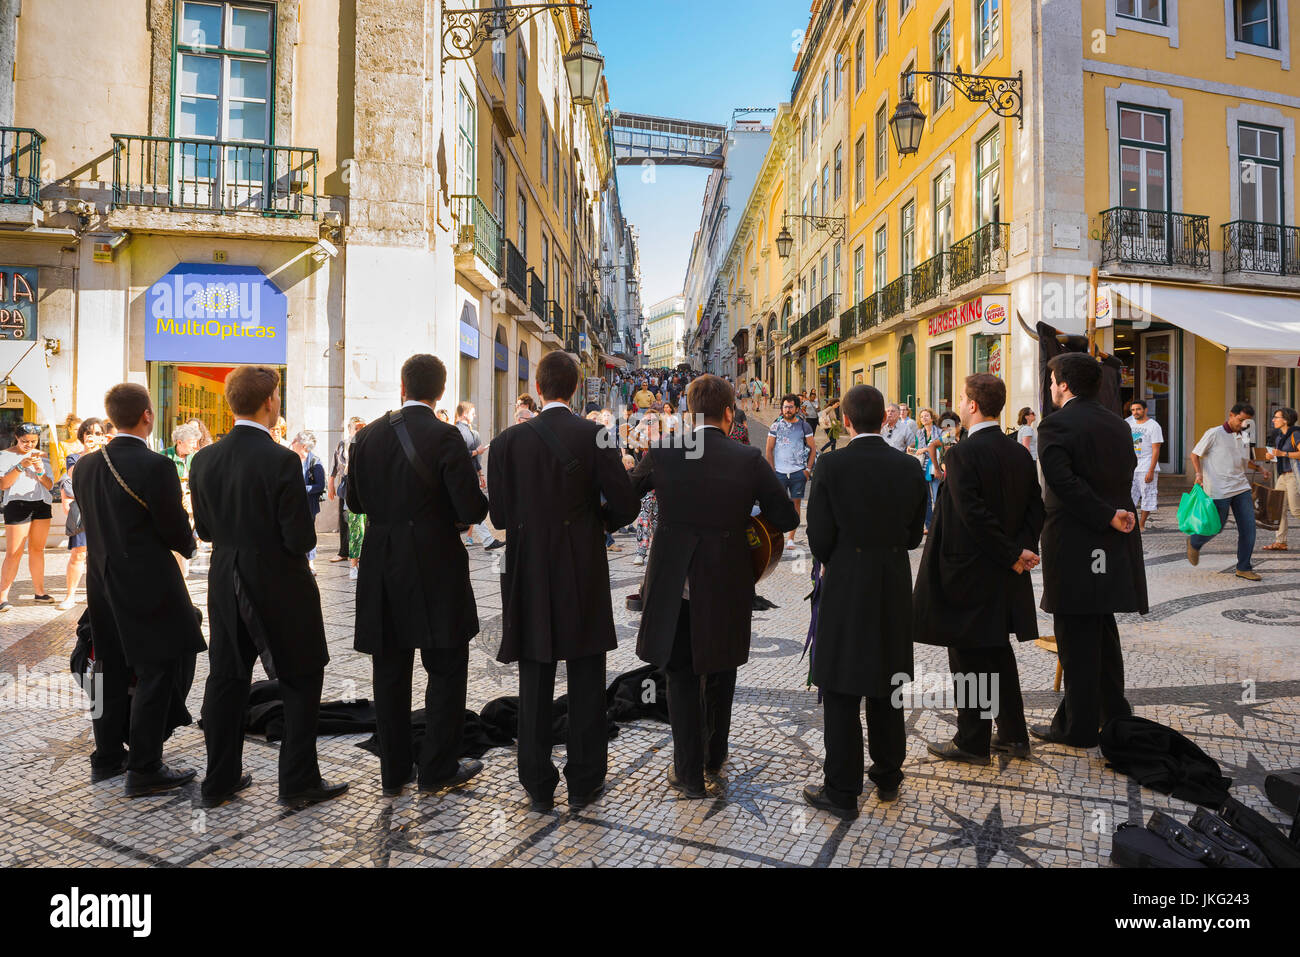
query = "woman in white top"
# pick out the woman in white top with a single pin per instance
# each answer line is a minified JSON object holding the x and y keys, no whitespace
{"x":1026,"y":435}
{"x":26,"y":480}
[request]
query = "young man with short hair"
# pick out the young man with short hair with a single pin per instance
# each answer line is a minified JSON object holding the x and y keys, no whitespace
{"x":792,"y":450}
{"x":1148,"y":438}
{"x":1221,"y":459}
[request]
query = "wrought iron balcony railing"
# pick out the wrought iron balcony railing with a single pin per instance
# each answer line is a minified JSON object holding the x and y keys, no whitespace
{"x":537,"y":296}
{"x":479,"y":226}
{"x":893,"y":298}
{"x":980,"y":254}
{"x":1155,"y":237}
{"x":20,"y":165}
{"x":208,"y":176}
{"x":927,"y":279}
{"x":516,"y":271}
{"x":868,"y":313}
{"x":1268,"y":248}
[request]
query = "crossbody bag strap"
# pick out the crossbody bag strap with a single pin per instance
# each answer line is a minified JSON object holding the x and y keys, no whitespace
{"x":567,"y":459}
{"x":398,"y":421}
{"x":120,"y":481}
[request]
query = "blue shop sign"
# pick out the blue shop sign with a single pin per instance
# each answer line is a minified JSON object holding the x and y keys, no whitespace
{"x":582,"y":342}
{"x":523,"y":367}
{"x":203,"y":312}
{"x":500,"y":357}
{"x":468,"y":340}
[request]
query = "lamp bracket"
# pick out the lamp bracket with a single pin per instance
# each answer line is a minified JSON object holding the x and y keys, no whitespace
{"x":1003,"y":94}
{"x":465,"y":31}
{"x":834,"y":225}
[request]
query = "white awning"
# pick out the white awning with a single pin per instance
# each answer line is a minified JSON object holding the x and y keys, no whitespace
{"x":1255,"y":329}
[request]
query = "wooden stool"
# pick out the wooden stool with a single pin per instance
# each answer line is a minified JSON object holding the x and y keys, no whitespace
{"x":1048,"y":643}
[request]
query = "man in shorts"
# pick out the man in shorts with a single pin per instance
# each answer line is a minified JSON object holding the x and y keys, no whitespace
{"x":1148,"y":437}
{"x":791,"y":450}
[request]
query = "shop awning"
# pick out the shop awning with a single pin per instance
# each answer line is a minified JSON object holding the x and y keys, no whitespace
{"x":1255,"y":329}
{"x":613,"y":362}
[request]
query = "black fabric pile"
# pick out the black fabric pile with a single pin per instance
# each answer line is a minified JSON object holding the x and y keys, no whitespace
{"x":1164,"y":760}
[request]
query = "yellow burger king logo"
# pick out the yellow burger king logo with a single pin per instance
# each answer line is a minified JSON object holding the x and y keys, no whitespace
{"x":995,"y":314}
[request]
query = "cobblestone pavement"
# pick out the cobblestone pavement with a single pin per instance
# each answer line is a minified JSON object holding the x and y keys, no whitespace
{"x":1216,"y":658}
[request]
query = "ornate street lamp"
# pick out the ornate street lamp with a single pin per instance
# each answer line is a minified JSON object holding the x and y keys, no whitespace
{"x":1001,"y":93}
{"x":829,"y":224}
{"x":783,"y":242}
{"x":584,"y":63}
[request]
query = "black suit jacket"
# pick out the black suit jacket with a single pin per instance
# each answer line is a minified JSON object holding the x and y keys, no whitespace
{"x":705,"y":498}
{"x":134,"y":590}
{"x":250,"y":502}
{"x":989,"y":509}
{"x":412,"y":561}
{"x":555,"y":588}
{"x":1086,"y":454}
{"x":866,"y":509}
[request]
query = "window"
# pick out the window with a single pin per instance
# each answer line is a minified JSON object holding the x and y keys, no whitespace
{"x":988,"y":27}
{"x":825,"y":273}
{"x":859,"y":273}
{"x":882,"y":28}
{"x":839,"y":169}
{"x":546,"y":267}
{"x":826,"y":96}
{"x":812,"y":206}
{"x":222,"y":95}
{"x":907,"y":82}
{"x":835,"y":269}
{"x":813,"y":114}
{"x":826,"y":187}
{"x":466,"y":134}
{"x":546,"y":155}
{"x":943,"y":211}
{"x":521,"y":88}
{"x":839,"y":74}
{"x":803,"y":141}
{"x":942,"y":49}
{"x":499,"y":187}
{"x":860,"y":169}
{"x":880,"y":261}
{"x":499,"y":56}
{"x":521,"y":216}
{"x":1152,"y":11}
{"x":1260,"y":151}
{"x":882,"y":142}
{"x":1257,"y":22}
{"x":860,"y":64}
{"x":555,"y":160}
{"x":903,"y":7}
{"x":804,"y":221}
{"x":988,"y":179}
{"x":1143,"y":158}
{"x":907,"y":227}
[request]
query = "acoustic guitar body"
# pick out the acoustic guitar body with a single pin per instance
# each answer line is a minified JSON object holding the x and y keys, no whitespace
{"x":765,"y":546}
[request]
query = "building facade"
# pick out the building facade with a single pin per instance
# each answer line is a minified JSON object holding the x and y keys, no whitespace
{"x":666,"y":323}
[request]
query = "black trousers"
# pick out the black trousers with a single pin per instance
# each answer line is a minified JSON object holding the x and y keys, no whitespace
{"x":974,"y":732}
{"x":225,"y":707}
{"x":588,"y":747}
{"x":140,"y":718}
{"x":886,"y":739}
{"x":444,"y":709}
{"x":343,"y":529}
{"x":699,"y":708}
{"x":1094,"y":677}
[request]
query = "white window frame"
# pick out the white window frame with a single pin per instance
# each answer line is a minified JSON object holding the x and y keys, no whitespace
{"x":978,"y":59}
{"x":1283,"y":52}
{"x":880,"y":31}
{"x":1169,"y":29}
{"x":1157,"y":98}
{"x":935,"y":86}
{"x":1255,"y":115}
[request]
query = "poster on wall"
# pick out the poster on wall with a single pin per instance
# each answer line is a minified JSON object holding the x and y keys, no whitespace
{"x":205,"y":312}
{"x":1157,"y":374}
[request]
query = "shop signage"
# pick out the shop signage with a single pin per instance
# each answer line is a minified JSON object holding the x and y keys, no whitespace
{"x":500,"y":357}
{"x":1157,"y":374}
{"x":206,"y":312}
{"x":582,"y":342}
{"x":1106,"y":305}
{"x":997,"y":316}
{"x":828,"y":354}
{"x":18,"y":294}
{"x":523,"y":367}
{"x":468,"y":340}
{"x":968,"y":312}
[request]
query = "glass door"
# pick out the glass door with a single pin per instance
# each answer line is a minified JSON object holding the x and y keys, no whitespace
{"x":1144,"y":185}
{"x":1158,"y":386}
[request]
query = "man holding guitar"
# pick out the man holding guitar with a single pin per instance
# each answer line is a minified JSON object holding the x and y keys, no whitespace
{"x":699,"y":586}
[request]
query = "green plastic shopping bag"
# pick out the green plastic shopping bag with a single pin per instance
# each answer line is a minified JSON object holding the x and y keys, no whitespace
{"x":1197,"y":514}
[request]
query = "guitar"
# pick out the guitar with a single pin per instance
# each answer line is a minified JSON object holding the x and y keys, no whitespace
{"x":765,"y":546}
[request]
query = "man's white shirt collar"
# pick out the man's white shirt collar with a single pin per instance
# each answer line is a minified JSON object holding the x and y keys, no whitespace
{"x":131,"y":435}
{"x":699,"y":428}
{"x":866,"y":435}
{"x":555,"y":405}
{"x":412,"y":403}
{"x":980,"y":426}
{"x":253,"y":425}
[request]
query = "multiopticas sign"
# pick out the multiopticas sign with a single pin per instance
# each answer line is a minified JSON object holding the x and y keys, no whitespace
{"x":215,"y":313}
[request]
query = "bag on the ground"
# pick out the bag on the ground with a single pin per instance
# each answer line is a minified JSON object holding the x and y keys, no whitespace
{"x":1197,"y":514}
{"x":1136,"y":846}
{"x":1269,"y":502}
{"x":1163,"y":759}
{"x":1266,"y":835}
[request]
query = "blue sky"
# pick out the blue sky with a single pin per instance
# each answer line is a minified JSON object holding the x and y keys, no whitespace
{"x":689,"y":60}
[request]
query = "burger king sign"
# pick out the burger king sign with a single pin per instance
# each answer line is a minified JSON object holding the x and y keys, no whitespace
{"x":997,"y":316}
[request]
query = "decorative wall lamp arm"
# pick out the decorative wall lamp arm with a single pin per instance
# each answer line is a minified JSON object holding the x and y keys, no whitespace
{"x":829,"y":224}
{"x":1003,"y":94}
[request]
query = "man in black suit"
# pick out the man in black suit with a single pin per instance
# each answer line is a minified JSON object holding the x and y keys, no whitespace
{"x":867,"y":509}
{"x":699,"y":584}
{"x":1092,"y":554}
{"x":250,"y":502}
{"x":973,"y":588}
{"x":556,"y":484}
{"x":410,"y":474}
{"x":140,"y":610}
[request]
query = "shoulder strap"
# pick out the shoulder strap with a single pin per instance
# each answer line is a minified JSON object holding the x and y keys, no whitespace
{"x":398,"y":421}
{"x":567,"y":459}
{"x":120,"y":481}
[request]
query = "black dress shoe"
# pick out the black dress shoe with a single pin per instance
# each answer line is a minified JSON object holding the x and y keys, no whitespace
{"x":1044,"y":732}
{"x":1017,"y":749}
{"x":216,"y":800}
{"x":397,"y":791}
{"x":541,"y":805}
{"x":164,"y":779}
{"x":324,"y":791}
{"x":464,"y":772}
{"x":950,"y":752}
{"x":818,"y":799}
{"x":106,"y":773}
{"x":577,"y":801}
{"x":687,"y":790}
{"x":887,"y":794}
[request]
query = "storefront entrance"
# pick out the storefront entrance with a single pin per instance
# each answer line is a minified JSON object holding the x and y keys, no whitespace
{"x":906,"y":373}
{"x":182,"y":393}
{"x":1152,"y":374}
{"x":828,"y":374}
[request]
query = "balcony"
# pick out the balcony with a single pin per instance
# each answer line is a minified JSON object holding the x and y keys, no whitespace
{"x":893,"y":298}
{"x":1155,"y":243}
{"x":868,"y":315}
{"x":1261,"y":254}
{"x":978,"y":260}
{"x":516,"y":280}
{"x":816,"y":319}
{"x":478,"y":242}
{"x":20,"y":176}
{"x":928,"y":280}
{"x":169,"y":184}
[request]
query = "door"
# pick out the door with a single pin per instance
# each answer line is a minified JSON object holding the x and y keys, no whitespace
{"x":1144,"y":185}
{"x":907,"y":372}
{"x":1157,"y":383}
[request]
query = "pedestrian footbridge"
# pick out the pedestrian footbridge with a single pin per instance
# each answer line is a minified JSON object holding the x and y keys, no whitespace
{"x":638,"y":138}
